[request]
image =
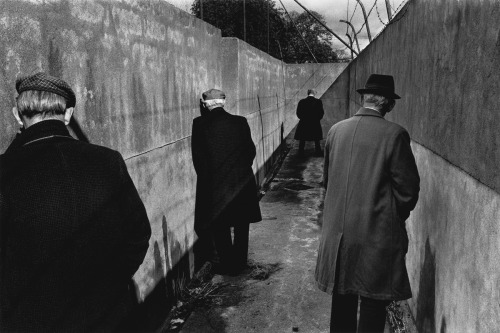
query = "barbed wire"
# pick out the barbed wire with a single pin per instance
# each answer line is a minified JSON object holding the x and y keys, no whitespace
{"x":394,"y":13}
{"x":400,"y":5}
{"x":355,"y":7}
{"x":368,"y":15}
{"x":378,"y":14}
{"x":347,"y":17}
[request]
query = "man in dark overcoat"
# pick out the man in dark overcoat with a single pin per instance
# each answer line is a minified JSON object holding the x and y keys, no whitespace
{"x":226,"y":191}
{"x":310,"y":112}
{"x":73,"y":228}
{"x":372,"y":184}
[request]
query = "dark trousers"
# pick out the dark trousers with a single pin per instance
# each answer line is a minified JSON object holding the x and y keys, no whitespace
{"x":345,"y":311}
{"x":233,"y":254}
{"x":302,"y":144}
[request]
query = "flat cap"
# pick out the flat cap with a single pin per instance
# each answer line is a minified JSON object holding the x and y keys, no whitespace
{"x":44,"y":82}
{"x":213,"y":94}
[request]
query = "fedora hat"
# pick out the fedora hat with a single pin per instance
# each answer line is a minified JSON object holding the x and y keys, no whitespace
{"x":379,"y":84}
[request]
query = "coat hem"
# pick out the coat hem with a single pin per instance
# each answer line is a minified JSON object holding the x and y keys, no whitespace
{"x":383,"y":297}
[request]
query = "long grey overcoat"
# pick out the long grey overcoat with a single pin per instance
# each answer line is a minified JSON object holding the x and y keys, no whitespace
{"x":372,"y":184}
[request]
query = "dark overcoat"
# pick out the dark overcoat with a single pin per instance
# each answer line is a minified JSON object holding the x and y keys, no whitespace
{"x":372,"y":184}
{"x":73,"y":232}
{"x":310,"y":112}
{"x":223,"y":153}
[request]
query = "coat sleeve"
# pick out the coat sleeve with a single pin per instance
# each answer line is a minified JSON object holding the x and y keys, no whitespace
{"x":300,"y":109}
{"x":250,"y":151}
{"x":404,"y":175}
{"x":136,"y":227}
{"x":321,"y":111}
{"x":326,"y":161}
{"x":198,"y":151}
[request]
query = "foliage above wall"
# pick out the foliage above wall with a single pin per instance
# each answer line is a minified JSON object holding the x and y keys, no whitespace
{"x":261,"y":24}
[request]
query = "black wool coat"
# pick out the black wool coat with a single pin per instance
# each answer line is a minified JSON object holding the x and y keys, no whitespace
{"x":310,"y":112}
{"x":73,"y":232}
{"x":223,"y":153}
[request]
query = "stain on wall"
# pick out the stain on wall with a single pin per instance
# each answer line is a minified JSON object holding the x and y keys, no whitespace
{"x":445,"y":57}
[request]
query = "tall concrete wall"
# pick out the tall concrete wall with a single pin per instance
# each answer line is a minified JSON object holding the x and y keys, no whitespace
{"x":445,"y":57}
{"x":138,"y":69}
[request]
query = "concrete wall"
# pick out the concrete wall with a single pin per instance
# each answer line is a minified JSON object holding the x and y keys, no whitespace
{"x":445,"y":57}
{"x":138,"y":69}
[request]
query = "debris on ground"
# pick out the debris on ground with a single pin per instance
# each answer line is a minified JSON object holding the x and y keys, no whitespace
{"x":201,"y":291}
{"x":262,"y":271}
{"x":395,"y":318}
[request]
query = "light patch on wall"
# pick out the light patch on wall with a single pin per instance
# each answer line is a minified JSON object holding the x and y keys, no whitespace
{"x":70,"y":38}
{"x":88,"y":11}
{"x":175,"y":36}
{"x":127,"y":23}
{"x":13,"y":61}
{"x":25,"y":27}
{"x":154,"y":30}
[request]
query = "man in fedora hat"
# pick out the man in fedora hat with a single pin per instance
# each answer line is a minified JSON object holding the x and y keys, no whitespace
{"x":372,"y":184}
{"x":226,"y":192}
{"x":73,"y":228}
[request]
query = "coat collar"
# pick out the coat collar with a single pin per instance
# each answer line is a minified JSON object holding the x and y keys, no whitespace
{"x":217,"y":112}
{"x":45,"y":129}
{"x":368,"y":112}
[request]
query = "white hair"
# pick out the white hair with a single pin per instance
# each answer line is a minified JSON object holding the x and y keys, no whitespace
{"x":214,"y":103}
{"x":376,"y":100}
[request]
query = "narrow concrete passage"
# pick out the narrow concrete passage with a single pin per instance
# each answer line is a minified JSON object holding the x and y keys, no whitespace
{"x":288,"y":299}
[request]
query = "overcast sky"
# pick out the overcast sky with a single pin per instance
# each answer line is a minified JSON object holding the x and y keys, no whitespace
{"x":333,"y":11}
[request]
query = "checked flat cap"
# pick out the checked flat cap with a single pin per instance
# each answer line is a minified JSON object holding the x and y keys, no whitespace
{"x":44,"y":82}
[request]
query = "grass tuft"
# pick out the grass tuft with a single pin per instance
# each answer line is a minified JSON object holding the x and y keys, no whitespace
{"x":262,"y":271}
{"x":395,"y":318}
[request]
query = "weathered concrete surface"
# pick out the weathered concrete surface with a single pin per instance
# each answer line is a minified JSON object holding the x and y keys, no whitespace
{"x":445,"y":57}
{"x":454,"y":254}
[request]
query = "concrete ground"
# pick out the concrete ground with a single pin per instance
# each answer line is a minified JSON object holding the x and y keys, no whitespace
{"x":288,"y":300}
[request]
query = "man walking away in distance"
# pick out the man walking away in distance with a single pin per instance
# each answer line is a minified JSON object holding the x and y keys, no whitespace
{"x":310,"y":112}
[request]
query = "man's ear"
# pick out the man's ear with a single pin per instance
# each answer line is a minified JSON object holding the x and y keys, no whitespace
{"x":67,"y":116}
{"x":16,"y":114}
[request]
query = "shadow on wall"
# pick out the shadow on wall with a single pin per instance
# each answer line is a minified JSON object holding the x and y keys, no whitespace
{"x":151,"y":314}
{"x":443,"y":325}
{"x":426,"y":299}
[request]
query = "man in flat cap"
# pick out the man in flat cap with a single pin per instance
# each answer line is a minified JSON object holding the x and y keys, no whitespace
{"x":372,"y":184}
{"x":310,"y":112}
{"x":226,"y":192}
{"x":73,"y":228}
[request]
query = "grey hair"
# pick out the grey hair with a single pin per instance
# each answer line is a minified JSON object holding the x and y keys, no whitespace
{"x":377,"y":100}
{"x":311,"y":92}
{"x":32,"y":103}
